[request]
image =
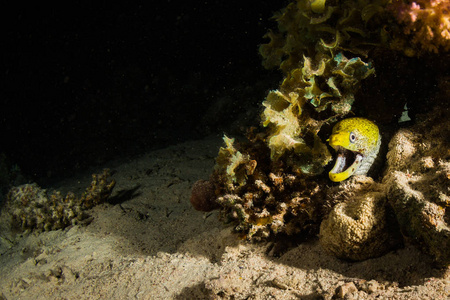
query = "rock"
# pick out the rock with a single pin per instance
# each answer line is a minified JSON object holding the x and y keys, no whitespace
{"x":418,"y":180}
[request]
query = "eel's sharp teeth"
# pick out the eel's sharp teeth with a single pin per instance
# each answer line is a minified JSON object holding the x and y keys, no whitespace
{"x":339,"y":165}
{"x":339,"y":172}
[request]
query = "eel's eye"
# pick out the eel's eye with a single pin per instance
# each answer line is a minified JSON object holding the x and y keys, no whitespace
{"x":352,"y":137}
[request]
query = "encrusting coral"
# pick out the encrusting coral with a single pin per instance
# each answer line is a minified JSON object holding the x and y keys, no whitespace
{"x":274,"y":183}
{"x":31,"y":208}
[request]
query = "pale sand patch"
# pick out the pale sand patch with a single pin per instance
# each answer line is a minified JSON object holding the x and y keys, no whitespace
{"x":149,"y":243}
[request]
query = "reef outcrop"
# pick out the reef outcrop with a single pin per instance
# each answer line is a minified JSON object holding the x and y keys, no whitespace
{"x":274,"y":183}
{"x":418,"y":183}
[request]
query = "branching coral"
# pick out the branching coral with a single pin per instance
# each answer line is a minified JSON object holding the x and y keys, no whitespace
{"x":31,"y":208}
{"x":425,"y":22}
{"x":273,"y":204}
{"x":260,"y":197}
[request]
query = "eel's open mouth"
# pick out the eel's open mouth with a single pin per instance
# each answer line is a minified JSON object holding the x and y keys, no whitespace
{"x":347,"y":163}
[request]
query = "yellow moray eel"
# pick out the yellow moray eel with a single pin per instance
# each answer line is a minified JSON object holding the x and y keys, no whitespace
{"x":357,"y":142}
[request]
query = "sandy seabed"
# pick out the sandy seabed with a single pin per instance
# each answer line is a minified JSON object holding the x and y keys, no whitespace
{"x":149,"y":243}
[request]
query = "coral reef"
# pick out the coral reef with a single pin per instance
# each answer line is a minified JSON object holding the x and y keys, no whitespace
{"x":233,"y":164}
{"x":290,"y":128}
{"x":415,"y":187}
{"x":319,"y":86}
{"x":426,"y":24}
{"x":414,"y":28}
{"x":31,"y":208}
{"x":326,"y":52}
{"x":305,"y":29}
{"x":274,"y":183}
{"x":271,"y":184}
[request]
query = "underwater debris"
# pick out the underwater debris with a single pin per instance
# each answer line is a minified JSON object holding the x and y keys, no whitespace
{"x":203,"y":196}
{"x":31,"y":208}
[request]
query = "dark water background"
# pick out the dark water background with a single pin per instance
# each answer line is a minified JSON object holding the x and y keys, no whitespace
{"x":86,"y":82}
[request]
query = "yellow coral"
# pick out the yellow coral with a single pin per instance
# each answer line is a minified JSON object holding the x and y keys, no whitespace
{"x":307,"y":27}
{"x":282,"y":113}
{"x":329,"y":83}
{"x":311,"y":38}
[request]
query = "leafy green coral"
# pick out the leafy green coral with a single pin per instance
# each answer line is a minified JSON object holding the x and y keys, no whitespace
{"x":307,"y":28}
{"x":309,"y":49}
{"x":331,"y":85}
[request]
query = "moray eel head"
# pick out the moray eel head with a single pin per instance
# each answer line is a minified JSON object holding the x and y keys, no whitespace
{"x":357,"y":142}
